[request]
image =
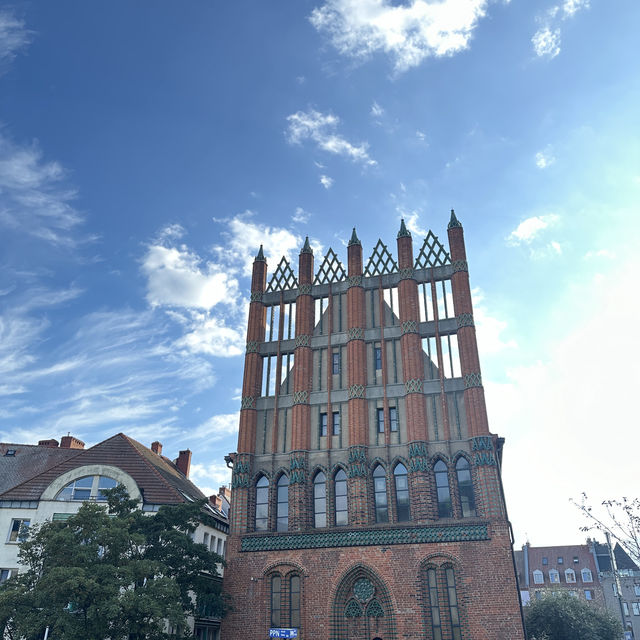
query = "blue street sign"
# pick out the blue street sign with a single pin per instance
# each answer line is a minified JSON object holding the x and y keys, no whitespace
{"x":283,"y":633}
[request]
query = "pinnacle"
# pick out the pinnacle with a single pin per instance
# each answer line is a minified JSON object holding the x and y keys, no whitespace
{"x":454,"y":222}
{"x":260,"y":257}
{"x":307,"y":247}
{"x":404,"y":232}
{"x":354,"y":238}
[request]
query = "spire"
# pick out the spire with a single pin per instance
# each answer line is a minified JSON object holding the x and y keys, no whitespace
{"x":307,"y":247}
{"x":404,"y":232}
{"x":454,"y":222}
{"x":354,"y":238}
{"x":260,"y":257}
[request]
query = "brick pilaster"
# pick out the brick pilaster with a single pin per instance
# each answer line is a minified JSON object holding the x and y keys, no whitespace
{"x":300,"y":512}
{"x":467,"y":345}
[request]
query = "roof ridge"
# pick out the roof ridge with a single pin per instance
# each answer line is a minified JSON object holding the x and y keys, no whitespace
{"x":154,"y":470}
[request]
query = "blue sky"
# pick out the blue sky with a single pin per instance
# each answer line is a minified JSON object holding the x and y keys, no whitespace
{"x":148,"y":148}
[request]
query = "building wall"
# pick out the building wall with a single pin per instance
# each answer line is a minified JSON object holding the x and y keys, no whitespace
{"x":403,"y":337}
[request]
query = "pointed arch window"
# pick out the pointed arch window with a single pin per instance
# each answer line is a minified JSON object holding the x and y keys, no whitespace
{"x":340,"y":491}
{"x":262,"y":504}
{"x":380,"y":494}
{"x":282,"y":504}
{"x":320,"y":500}
{"x":276,"y":600}
{"x":465,"y":488}
{"x":294,"y":601}
{"x":452,"y":597}
{"x":401,"y":481}
{"x":442,"y":488}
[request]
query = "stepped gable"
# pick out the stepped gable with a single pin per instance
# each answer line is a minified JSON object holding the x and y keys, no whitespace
{"x":158,"y":479}
{"x":28,"y":461}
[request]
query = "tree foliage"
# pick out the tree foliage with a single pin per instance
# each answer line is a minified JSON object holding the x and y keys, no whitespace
{"x":619,"y":518}
{"x":111,"y":573}
{"x":564,"y":617}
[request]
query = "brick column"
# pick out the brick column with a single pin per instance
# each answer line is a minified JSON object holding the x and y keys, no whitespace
{"x":251,"y":384}
{"x":357,"y":378}
{"x":413,"y":368}
{"x":467,"y":345}
{"x":299,"y":507}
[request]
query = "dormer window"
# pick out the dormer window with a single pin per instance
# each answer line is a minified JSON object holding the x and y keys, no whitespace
{"x":87,"y":488}
{"x":538,"y":577}
{"x":554,"y":576}
{"x":10,"y":453}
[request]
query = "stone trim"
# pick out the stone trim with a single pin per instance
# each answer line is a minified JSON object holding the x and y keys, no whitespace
{"x":301,"y":397}
{"x":465,"y":320}
{"x":256,"y":296}
{"x":414,"y":385}
{"x":484,"y":460}
{"x":460,"y":265}
{"x":247,"y":402}
{"x":367,"y":537}
{"x":302,"y":340}
{"x":304,"y":289}
{"x":482,"y":443}
{"x":472,"y":380}
{"x":355,"y":333}
{"x":253,"y":346}
{"x":354,"y":281}
{"x":409,"y":326}
{"x":356,"y":391}
{"x":406,"y":274}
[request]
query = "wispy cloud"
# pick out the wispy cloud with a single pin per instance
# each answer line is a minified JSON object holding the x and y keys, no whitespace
{"x":321,"y":128}
{"x":530,"y":228}
{"x":407,"y":32}
{"x":326,"y":181}
{"x":376,"y":111}
{"x":14,"y":36}
{"x":547,"y":39}
{"x":34,"y":197}
{"x":545,"y":158}
{"x":300,"y":216}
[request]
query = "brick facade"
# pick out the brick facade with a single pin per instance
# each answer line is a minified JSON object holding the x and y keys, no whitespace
{"x":381,"y":422}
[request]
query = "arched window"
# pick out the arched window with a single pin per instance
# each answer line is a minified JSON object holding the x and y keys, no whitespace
{"x":340,"y":491}
{"x":569,"y":575}
{"x":282,"y":504}
{"x":554,"y":576}
{"x":465,"y":488}
{"x":400,"y":478}
{"x":454,"y":612}
{"x":276,"y":600}
{"x":87,"y":488}
{"x":380,"y":494}
{"x":320,"y":500}
{"x":442,"y":488}
{"x":294,"y":601}
{"x":538,"y":577}
{"x":434,"y":604}
{"x":262,"y":504}
{"x":587,"y":576}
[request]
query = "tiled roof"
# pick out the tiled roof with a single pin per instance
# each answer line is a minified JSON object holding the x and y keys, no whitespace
{"x":28,"y":461}
{"x":158,"y":479}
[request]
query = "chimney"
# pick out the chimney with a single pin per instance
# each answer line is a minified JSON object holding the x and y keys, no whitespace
{"x":69,"y":442}
{"x":225,"y":492}
{"x":216,"y":501}
{"x":52,"y":443}
{"x":156,"y":447}
{"x":184,"y":461}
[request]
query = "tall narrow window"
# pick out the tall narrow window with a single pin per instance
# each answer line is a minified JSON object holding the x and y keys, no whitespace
{"x":377,"y":358}
{"x":340,"y":488}
{"x":393,"y":418}
{"x":282,"y":510}
{"x":402,"y":492}
{"x":320,"y":500}
{"x":380,"y":494}
{"x":262,"y":504}
{"x":442,"y":487}
{"x":294,"y":601}
{"x":465,"y":488}
{"x":335,"y":419}
{"x":380,"y":420}
{"x":434,"y":604}
{"x":323,"y":424}
{"x":335,"y":363}
{"x":454,"y":613}
{"x":276,"y":596}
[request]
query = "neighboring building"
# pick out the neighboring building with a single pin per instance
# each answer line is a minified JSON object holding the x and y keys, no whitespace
{"x":367,"y":498}
{"x":620,"y":578}
{"x":50,"y":482}
{"x":563,"y":569}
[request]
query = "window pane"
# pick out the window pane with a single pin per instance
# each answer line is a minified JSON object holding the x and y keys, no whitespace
{"x":276,"y":583}
{"x":282,"y":507}
{"x":465,"y":488}
{"x":393,"y":418}
{"x":402,"y":492}
{"x":380,"y":494}
{"x":380,"y":420}
{"x":336,"y":423}
{"x":442,"y":484}
{"x":340,"y":491}
{"x":320,"y":500}
{"x":323,"y":424}
{"x":262,"y":504}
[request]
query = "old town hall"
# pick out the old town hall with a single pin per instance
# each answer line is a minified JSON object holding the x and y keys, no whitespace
{"x":367,"y":500}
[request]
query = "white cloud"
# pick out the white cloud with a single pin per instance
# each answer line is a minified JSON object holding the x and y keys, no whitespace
{"x":490,"y":329}
{"x":571,"y":7}
{"x":321,"y":129}
{"x":217,"y":427}
{"x":209,"y":334}
{"x":35,"y":199}
{"x":600,"y":253}
{"x":210,"y":477}
{"x":546,"y":42}
{"x":420,"y":135}
{"x":326,"y":181}
{"x":301,"y":216}
{"x":530,"y":228}
{"x":412,"y":222}
{"x":14,"y":36}
{"x":407,"y":32}
{"x":545,"y":158}
{"x":376,"y":110}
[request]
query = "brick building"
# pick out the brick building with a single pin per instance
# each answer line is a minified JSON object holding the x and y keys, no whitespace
{"x":367,"y":499}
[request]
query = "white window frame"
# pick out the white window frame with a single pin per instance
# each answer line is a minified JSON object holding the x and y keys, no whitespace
{"x":589,"y":596}
{"x":18,"y":539}
{"x":569,"y":575}
{"x":5,"y":574}
{"x":625,"y":608}
{"x":554,"y":576}
{"x":636,"y":588}
{"x":636,"y":608}
{"x":586,"y":572}
{"x":538,"y":577}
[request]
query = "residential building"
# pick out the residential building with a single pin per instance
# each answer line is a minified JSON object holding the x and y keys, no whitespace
{"x":367,"y":498}
{"x":51,"y":480}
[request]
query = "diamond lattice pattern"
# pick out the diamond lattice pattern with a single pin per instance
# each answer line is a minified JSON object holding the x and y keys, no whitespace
{"x":432,"y":254}
{"x":380,"y":262}
{"x":283,"y":277}
{"x":331,"y":269}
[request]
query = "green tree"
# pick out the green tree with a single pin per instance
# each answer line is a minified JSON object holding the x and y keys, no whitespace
{"x":112,"y":573}
{"x":564,"y":617}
